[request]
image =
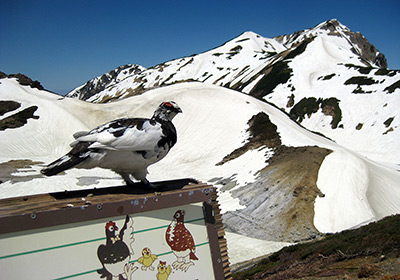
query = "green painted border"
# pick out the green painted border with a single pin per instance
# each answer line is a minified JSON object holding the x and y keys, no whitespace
{"x":87,"y":241}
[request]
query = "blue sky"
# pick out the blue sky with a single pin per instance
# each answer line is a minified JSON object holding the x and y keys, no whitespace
{"x":63,"y":44}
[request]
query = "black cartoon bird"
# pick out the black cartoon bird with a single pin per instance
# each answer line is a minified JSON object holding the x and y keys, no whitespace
{"x":115,"y":255}
{"x":181,"y":241}
{"x":127,"y":146}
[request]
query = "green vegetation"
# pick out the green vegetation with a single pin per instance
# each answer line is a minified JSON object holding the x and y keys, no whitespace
{"x":393,"y":87}
{"x":262,"y":132}
{"x":362,"y":70}
{"x":306,"y":106}
{"x":331,"y":107}
{"x":376,"y":239}
{"x":309,"y":106}
{"x":327,"y":77}
{"x":234,"y":51}
{"x":8,"y":106}
{"x":388,"y":122}
{"x":245,"y":39}
{"x":299,"y":49}
{"x":360,"y":80}
{"x":386,"y":72}
{"x":279,"y":73}
{"x":18,"y":119}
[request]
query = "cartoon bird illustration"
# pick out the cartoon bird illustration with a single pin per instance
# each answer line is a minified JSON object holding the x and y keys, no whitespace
{"x":115,"y":255}
{"x":181,"y":242}
{"x":147,"y":259}
{"x":163,"y":271}
{"x":126,"y":146}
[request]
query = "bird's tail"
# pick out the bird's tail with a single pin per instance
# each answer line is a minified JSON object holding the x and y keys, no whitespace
{"x":193,"y":256}
{"x":63,"y":163}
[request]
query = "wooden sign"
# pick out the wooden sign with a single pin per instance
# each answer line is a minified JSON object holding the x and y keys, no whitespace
{"x":109,"y":234}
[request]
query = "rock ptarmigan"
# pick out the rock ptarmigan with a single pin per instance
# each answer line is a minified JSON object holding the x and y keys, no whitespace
{"x":126,"y":146}
{"x":181,"y":241}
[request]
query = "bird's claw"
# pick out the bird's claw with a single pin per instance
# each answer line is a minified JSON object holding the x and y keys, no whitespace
{"x":149,"y":185}
{"x":129,"y":268}
{"x":181,"y":265}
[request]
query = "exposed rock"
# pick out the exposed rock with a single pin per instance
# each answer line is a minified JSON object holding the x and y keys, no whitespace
{"x":280,"y":203}
{"x":368,"y":51}
{"x":23,"y":80}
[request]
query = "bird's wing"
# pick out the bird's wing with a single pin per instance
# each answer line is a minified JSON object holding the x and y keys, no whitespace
{"x":187,"y":236}
{"x":125,"y":134}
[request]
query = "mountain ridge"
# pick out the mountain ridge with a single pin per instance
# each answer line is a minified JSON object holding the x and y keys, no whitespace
{"x":231,"y":69}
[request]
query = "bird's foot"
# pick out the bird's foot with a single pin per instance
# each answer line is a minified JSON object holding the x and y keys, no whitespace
{"x":185,"y":266}
{"x":176,"y":264}
{"x":182,"y":266}
{"x":151,"y":268}
{"x":149,"y":185}
{"x":129,"y":268}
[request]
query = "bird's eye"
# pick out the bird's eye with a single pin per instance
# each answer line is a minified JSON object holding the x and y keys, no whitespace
{"x":111,"y":228}
{"x":177,"y":215}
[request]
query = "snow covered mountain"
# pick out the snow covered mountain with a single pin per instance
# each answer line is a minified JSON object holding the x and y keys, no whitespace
{"x":328,"y":78}
{"x":277,"y":180}
{"x":238,"y":64}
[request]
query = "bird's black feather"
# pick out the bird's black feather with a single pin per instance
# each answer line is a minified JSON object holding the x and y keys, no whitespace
{"x":77,"y":155}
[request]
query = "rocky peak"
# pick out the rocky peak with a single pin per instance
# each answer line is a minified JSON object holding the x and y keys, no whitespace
{"x":367,"y":51}
{"x":361,"y":46}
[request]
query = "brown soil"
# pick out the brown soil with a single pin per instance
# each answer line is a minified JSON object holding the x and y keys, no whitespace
{"x":12,"y":166}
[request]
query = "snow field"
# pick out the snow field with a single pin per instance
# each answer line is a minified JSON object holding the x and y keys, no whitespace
{"x":213,"y":124}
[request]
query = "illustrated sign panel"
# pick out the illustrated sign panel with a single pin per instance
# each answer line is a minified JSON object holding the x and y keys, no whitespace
{"x":171,"y":243}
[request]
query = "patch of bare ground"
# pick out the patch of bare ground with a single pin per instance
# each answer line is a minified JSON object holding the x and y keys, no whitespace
{"x":280,"y":203}
{"x":295,"y":169}
{"x":7,"y":169}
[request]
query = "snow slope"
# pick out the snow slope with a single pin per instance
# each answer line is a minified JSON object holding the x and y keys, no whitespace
{"x":213,"y":124}
{"x":325,"y":62}
{"x":321,"y":72}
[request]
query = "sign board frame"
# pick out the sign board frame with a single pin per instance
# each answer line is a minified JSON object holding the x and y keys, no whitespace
{"x":23,"y":218}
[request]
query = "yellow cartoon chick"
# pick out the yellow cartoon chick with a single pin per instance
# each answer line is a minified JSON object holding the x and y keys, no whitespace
{"x":147,"y":259}
{"x":163,"y":271}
